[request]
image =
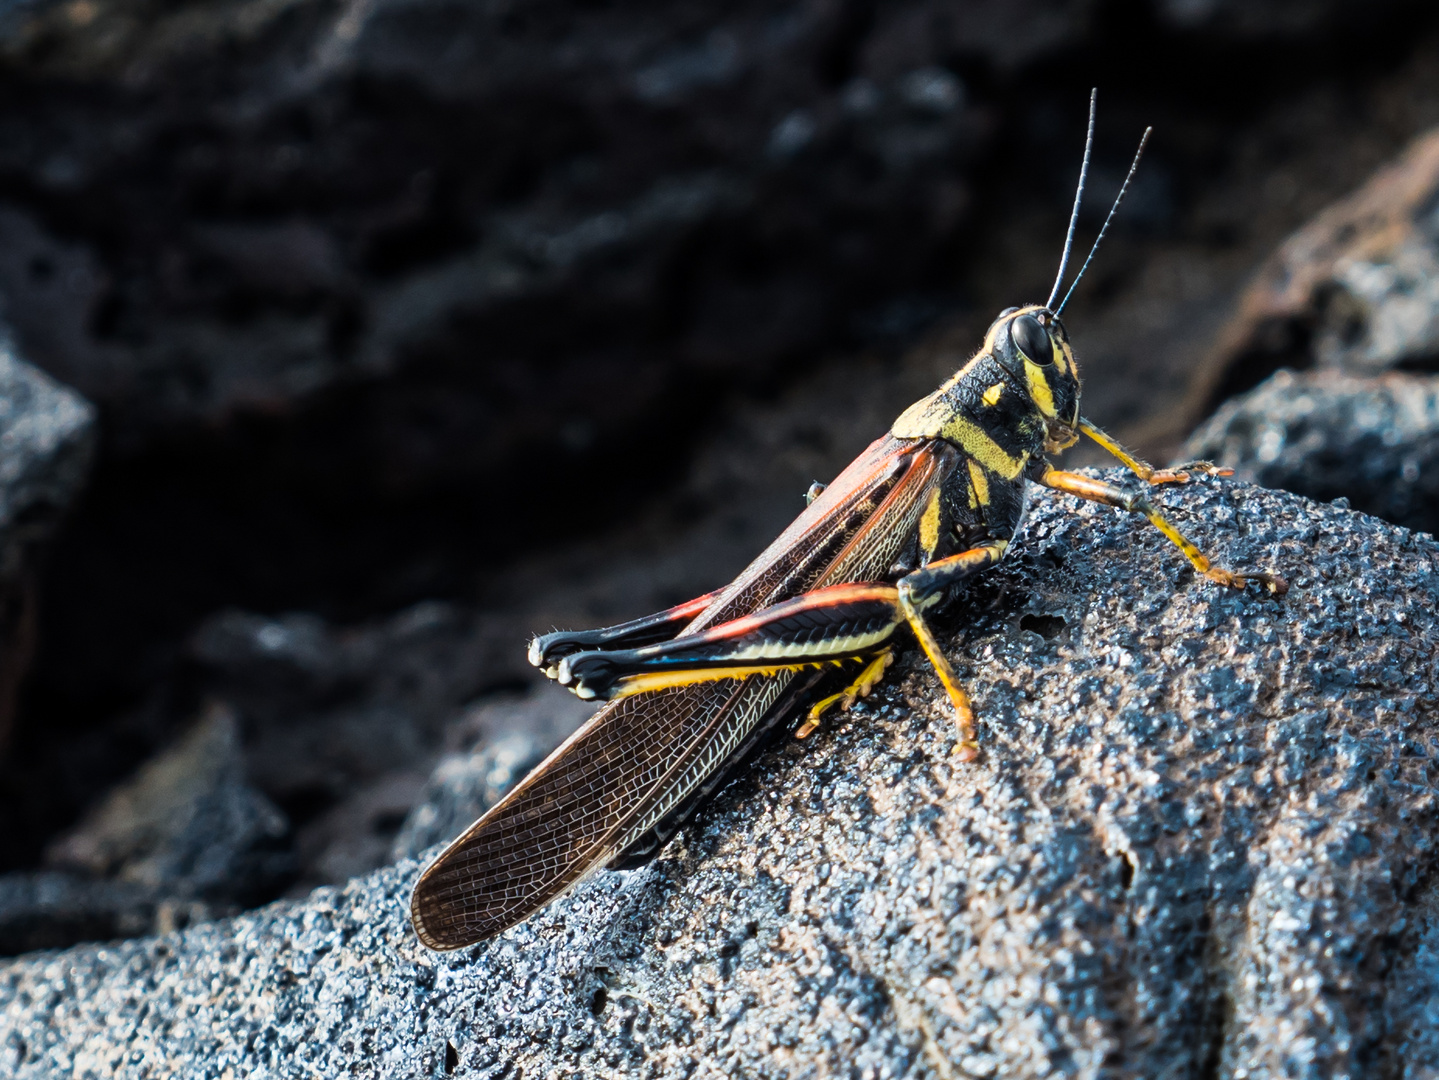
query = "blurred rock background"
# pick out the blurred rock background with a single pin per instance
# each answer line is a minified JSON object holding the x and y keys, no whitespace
{"x":353,"y":342}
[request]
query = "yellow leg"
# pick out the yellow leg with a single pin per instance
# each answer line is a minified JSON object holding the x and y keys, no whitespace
{"x":1148,"y":473}
{"x":923,"y":589}
{"x":1086,"y":487}
{"x":968,"y":748}
{"x":868,"y":679}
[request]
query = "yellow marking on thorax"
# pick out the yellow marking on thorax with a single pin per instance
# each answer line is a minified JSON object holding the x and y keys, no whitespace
{"x":974,"y":441}
{"x":926,"y":418}
{"x":923,"y":419}
{"x":929,"y":525}
{"x":991,"y":396}
{"x":1039,"y":389}
{"x":978,"y":485}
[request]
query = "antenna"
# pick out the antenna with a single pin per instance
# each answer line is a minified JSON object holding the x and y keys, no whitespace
{"x":1104,"y":228}
{"x":1078,"y":195}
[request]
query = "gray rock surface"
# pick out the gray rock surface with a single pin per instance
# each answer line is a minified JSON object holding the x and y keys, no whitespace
{"x":183,"y":840}
{"x":327,"y":707}
{"x":462,"y":788}
{"x":1347,"y":309}
{"x":1329,"y":435}
{"x":48,"y":909}
{"x":47,"y":435}
{"x":1198,"y":842}
{"x":344,"y":724}
{"x":187,"y":826}
{"x":46,"y":441}
{"x":1355,"y":290}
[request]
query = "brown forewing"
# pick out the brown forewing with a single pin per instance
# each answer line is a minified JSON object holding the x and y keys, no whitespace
{"x":637,"y":758}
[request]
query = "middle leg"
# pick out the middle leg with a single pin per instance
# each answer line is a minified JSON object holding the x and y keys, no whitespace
{"x":924,"y":589}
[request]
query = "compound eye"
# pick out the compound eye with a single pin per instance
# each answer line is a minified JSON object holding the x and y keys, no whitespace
{"x":1032,"y":339}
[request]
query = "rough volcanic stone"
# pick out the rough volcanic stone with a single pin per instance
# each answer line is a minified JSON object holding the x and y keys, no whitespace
{"x":1198,"y":842}
{"x":1328,"y":435}
{"x":1355,"y":290}
{"x":185,"y":839}
{"x":345,"y":724}
{"x":232,"y":207}
{"x":46,"y":444}
{"x":462,"y":788}
{"x":188,"y":825}
{"x":330,"y":708}
{"x":46,"y":441}
{"x":49,"y":909}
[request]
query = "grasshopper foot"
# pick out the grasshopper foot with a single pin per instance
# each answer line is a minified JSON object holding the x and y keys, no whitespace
{"x":1275,"y":584}
{"x":968,"y":746}
{"x":590,"y":676}
{"x":868,"y":679}
{"x":546,"y":651}
{"x":1182,"y":474}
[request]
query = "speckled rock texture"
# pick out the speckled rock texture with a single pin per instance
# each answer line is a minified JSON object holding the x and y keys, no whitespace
{"x":1197,"y":843}
{"x":46,"y":437}
{"x":1330,"y":435}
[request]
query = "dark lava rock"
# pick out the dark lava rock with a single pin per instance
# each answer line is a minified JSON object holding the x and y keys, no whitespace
{"x":48,"y":909}
{"x":493,"y":746}
{"x":1352,"y":300}
{"x":462,"y":788}
{"x":46,"y":442}
{"x":189,"y":825}
{"x":328,"y":708}
{"x":46,"y":435}
{"x":1327,"y":435}
{"x":1199,"y":841}
{"x":470,"y":223}
{"x":343,"y":725}
{"x":184,"y":840}
{"x":234,"y":206}
{"x":247,"y":206}
{"x":1355,"y":290}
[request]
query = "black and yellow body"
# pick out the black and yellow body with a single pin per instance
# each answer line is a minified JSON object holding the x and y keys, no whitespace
{"x":936,"y":499}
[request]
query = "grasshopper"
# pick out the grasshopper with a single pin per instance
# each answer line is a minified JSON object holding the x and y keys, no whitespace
{"x":693,"y":690}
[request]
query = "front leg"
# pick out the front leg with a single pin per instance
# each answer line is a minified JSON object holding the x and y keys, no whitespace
{"x":1086,"y":487}
{"x":547,"y":650}
{"x":1148,"y":473}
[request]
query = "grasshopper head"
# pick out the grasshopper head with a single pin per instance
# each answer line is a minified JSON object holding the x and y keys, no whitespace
{"x":1031,"y":343}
